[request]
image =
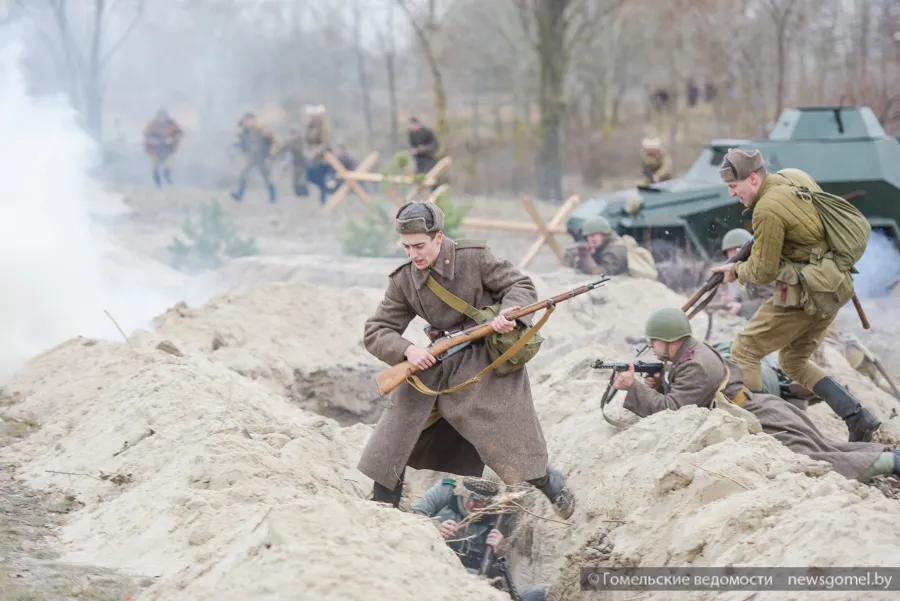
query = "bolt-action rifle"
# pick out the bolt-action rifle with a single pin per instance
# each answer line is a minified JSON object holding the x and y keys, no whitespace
{"x":393,"y":377}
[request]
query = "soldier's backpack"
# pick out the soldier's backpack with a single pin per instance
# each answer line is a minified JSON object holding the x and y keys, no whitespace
{"x":640,"y":260}
{"x":826,"y":281}
{"x":846,"y":228}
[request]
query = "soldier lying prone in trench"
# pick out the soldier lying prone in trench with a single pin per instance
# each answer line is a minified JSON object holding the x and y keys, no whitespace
{"x":695,"y":373}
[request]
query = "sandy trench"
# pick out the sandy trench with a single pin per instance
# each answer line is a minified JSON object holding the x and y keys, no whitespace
{"x":212,"y":454}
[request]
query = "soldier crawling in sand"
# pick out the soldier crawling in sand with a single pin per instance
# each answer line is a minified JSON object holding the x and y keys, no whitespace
{"x":696,"y":374}
{"x":426,"y":424}
{"x":789,"y":237}
{"x":162,"y":135}
{"x":452,"y":509}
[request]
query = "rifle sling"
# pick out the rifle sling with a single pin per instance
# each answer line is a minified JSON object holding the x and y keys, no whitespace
{"x":703,"y":303}
{"x":454,"y":301}
{"x":416,"y":383}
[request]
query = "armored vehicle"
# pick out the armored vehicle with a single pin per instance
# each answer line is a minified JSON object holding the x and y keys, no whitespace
{"x":845,"y":149}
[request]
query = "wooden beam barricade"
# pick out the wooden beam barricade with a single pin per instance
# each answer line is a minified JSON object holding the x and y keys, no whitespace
{"x":431,"y":176}
{"x":547,"y":231}
{"x":350,"y":183}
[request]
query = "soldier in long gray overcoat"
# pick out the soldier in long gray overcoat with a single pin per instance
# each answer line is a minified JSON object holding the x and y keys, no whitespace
{"x":491,"y":422}
{"x":694,"y":377}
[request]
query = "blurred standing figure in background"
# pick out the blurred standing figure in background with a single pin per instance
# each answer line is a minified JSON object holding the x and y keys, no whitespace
{"x":318,"y":142}
{"x":258,"y":145}
{"x":423,"y":146}
{"x":294,"y":146}
{"x":162,"y":135}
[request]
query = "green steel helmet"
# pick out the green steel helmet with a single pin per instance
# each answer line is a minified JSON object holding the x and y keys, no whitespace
{"x":735,"y":238}
{"x":596,"y":225}
{"x":668,"y":325}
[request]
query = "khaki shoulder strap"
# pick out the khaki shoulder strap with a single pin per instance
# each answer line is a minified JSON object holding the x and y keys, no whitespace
{"x":721,"y":401}
{"x":453,"y":301}
{"x":470,"y":244}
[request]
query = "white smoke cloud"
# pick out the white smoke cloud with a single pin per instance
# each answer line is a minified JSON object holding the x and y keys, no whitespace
{"x":58,"y":268}
{"x":878,"y":267}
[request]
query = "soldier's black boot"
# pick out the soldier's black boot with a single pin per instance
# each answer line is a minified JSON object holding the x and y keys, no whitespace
{"x":383,"y":494}
{"x":861,"y":423}
{"x":553,"y":485}
{"x":156,"y":179}
{"x":272,"y":195}
{"x":238,"y":193}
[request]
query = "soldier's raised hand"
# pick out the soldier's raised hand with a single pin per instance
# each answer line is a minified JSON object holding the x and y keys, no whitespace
{"x":727,"y":271}
{"x":419,"y":356}
{"x":447,"y":529}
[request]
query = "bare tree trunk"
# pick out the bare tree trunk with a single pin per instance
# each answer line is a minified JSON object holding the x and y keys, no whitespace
{"x":84,"y":71}
{"x":862,"y":9}
{"x":781,"y":20}
{"x":93,"y":98}
{"x":363,"y":76}
{"x":389,"y":50}
{"x":427,"y":34}
{"x":779,"y":93}
{"x":440,"y":105}
{"x":552,"y":53}
{"x":390,"y":63}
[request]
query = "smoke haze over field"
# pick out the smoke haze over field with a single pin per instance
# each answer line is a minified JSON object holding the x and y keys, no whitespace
{"x":54,"y":263}
{"x":878,"y":267}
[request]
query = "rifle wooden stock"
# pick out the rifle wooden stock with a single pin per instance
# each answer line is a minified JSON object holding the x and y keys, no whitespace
{"x":862,"y":314}
{"x":716,"y":278}
{"x":396,"y":375}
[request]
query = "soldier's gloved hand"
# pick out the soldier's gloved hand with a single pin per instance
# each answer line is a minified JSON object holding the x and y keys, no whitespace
{"x":447,"y":529}
{"x":495,"y":540}
{"x":624,"y":379}
{"x":419,"y":356}
{"x":502,"y":325}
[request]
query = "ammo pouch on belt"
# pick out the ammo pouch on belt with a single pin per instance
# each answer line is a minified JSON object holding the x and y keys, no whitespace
{"x":496,"y":343}
{"x":818,"y":287}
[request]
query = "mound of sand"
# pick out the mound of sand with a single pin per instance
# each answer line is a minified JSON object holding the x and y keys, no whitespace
{"x":193,"y":474}
{"x":300,"y":340}
{"x":690,"y":487}
{"x":195,"y":462}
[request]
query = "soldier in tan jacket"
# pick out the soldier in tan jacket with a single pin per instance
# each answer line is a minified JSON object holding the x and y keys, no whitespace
{"x":787,"y":233}
{"x":695,"y":374}
{"x":604,"y":251}
{"x":493,"y":421}
{"x":655,"y":162}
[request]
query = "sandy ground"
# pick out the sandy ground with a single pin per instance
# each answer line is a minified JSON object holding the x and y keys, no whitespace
{"x":212,"y":453}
